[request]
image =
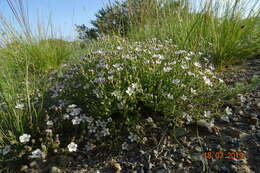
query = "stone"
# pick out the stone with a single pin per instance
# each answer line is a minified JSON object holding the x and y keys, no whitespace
{"x":258,"y":105}
{"x":55,"y":169}
{"x":205,"y":124}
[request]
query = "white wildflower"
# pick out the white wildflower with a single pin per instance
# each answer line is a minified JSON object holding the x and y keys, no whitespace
{"x":19,"y":106}
{"x":110,"y":77}
{"x":187,"y":58}
{"x":149,"y":120}
{"x":172,"y":63}
{"x":242,"y":99}
{"x":76,"y":120}
{"x":176,"y":81}
{"x":169,"y":96}
{"x":105,"y":132}
{"x":184,"y":98}
{"x":167,"y":69}
{"x":72,"y":147}
{"x":75,"y":111}
{"x":132,"y":137}
{"x":24,"y":138}
{"x":180,"y":52}
{"x":207,"y":114}
{"x":66,"y":116}
{"x":191,"y":74}
{"x":207,"y":81}
{"x":49,"y":123}
{"x":119,"y":48}
{"x":228,"y":111}
{"x":193,"y":91}
{"x":37,"y":154}
{"x":197,"y":64}
{"x":124,"y":146}
{"x":72,"y":106}
{"x":184,"y":66}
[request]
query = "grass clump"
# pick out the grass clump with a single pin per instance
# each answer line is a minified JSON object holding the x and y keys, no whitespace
{"x":228,"y":30}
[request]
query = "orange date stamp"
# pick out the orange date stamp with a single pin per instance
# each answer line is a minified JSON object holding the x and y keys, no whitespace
{"x":223,"y":155}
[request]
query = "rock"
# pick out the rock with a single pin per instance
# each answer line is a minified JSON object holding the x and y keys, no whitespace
{"x":33,"y":164}
{"x":224,"y":170}
{"x":241,"y":112}
{"x":205,"y":124}
{"x":253,"y":121}
{"x":24,"y":168}
{"x":161,"y":171}
{"x":180,"y":132}
{"x":258,"y":105}
{"x":225,"y":119}
{"x":55,"y":169}
{"x":198,"y":149}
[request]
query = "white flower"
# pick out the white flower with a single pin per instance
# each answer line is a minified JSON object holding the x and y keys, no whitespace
{"x":207,"y":114}
{"x":149,"y":120}
{"x":191,"y":74}
{"x":197,"y":64}
{"x":89,"y":119}
{"x":172,"y":63}
{"x":220,"y":80}
{"x":76,"y":120}
{"x":176,"y":81}
{"x":24,"y":138}
{"x":66,"y":116}
{"x":133,"y":137}
{"x":109,"y":119}
{"x":184,"y":66}
{"x":6,"y":149}
{"x":119,"y":48}
{"x":49,"y":123}
{"x":167,"y":69}
{"x":75,"y":111}
{"x":105,"y":132}
{"x":193,"y":91}
{"x":183,"y":98}
{"x":72,"y":147}
{"x":180,"y":52}
{"x":19,"y":106}
{"x":72,"y":106}
{"x":207,"y":81}
{"x":124,"y":146}
{"x":158,"y":56}
{"x":189,"y":118}
{"x":48,"y":131}
{"x":117,"y":94}
{"x":242,"y":98}
{"x":228,"y":111}
{"x":169,"y":96}
{"x":110,"y":77}
{"x":37,"y":154}
{"x":158,"y":62}
{"x":187,"y":58}
{"x":212,"y":67}
{"x":130,"y":91}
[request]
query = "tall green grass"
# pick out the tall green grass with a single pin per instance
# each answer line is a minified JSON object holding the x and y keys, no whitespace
{"x":26,"y":59}
{"x":226,"y":30}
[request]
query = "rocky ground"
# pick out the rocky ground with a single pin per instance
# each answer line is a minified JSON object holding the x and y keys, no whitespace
{"x":224,"y":145}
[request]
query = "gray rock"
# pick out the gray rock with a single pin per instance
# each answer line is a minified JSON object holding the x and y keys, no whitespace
{"x":205,"y":124}
{"x":225,"y":119}
{"x":55,"y":169}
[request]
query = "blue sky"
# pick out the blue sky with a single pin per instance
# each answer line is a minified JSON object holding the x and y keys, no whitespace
{"x":64,"y":13}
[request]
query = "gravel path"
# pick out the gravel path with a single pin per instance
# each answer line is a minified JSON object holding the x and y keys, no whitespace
{"x":229,"y":145}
